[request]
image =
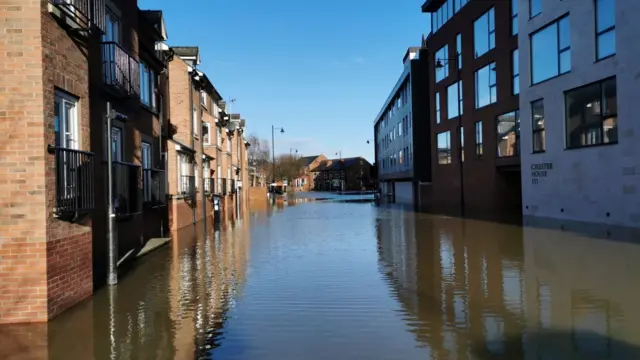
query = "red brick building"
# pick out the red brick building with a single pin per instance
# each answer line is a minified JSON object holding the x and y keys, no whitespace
{"x":305,"y":181}
{"x":346,"y":174}
{"x":474,"y":109}
{"x":63,"y":63}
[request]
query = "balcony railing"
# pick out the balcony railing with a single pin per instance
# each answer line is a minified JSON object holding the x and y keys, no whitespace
{"x":187,"y":186}
{"x":209,"y":186}
{"x":74,"y":180}
{"x":224,"y":190}
{"x":126,"y":180}
{"x":153,"y":184}
{"x":120,"y":70}
{"x":84,"y":12}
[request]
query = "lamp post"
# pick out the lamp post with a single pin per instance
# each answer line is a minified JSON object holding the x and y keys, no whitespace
{"x":291,"y":150}
{"x":273,"y":151}
{"x":439,"y":65}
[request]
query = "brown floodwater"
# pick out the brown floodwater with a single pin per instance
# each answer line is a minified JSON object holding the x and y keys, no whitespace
{"x":334,"y":280}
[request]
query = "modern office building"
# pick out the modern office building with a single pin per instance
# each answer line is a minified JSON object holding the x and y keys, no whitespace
{"x":401,"y":149}
{"x":580,"y":129}
{"x":473,"y":88}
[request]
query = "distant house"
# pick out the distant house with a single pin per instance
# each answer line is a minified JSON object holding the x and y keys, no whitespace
{"x":304,"y":182}
{"x":347,"y":174}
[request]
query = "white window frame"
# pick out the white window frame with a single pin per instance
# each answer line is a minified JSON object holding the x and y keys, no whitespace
{"x":68,"y":124}
{"x":206,"y":140}
{"x":195,"y":121}
{"x":184,"y":169}
{"x":218,"y":135}
{"x":146,"y":157}
{"x":204,"y":97}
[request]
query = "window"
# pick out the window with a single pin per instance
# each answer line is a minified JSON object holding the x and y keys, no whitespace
{"x":605,"y":28}
{"x":461,"y":138}
{"x":537,"y":122}
{"x":459,"y":50}
{"x":184,"y":173}
{"x":478,"y":126}
{"x":437,"y":108}
{"x":116,"y":144}
{"x":515,"y":77}
{"x":229,"y":146}
{"x":444,"y":148}
{"x":535,"y":8}
{"x":147,"y":86}
{"x":195,"y":122}
{"x":551,"y":51}
{"x":401,"y":156}
{"x":514,"y":17}
{"x":592,"y":114}
{"x":454,"y":99}
{"x":204,"y":98}
{"x":400,"y":127}
{"x":484,"y":33}
{"x":66,"y":121}
{"x":206,"y":131}
{"x":146,"y":170}
{"x":218,"y":136}
{"x":486,"y":91}
{"x":509,"y":134}
{"x":441,"y":56}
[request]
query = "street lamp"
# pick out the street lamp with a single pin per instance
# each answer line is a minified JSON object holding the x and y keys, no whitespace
{"x":291,"y":151}
{"x":273,"y":152}
{"x":439,"y":66}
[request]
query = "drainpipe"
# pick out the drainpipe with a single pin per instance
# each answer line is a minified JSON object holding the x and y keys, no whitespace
{"x":112,"y":251}
{"x":193,"y":166}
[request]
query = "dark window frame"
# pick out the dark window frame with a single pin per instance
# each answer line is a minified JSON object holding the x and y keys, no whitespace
{"x":602,"y":117}
{"x":479,"y":136}
{"x":538,"y":130}
{"x":604,"y":31}
{"x":560,"y":50}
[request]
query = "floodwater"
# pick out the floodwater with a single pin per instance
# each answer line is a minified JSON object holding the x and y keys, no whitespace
{"x":339,"y":280}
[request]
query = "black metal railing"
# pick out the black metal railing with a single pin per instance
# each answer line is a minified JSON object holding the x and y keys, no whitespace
{"x":153,"y":186}
{"x":209,"y":186}
{"x":85,"y":12}
{"x":224,"y":190}
{"x":120,"y":70}
{"x":126,"y":181}
{"x":187,"y":186}
{"x":74,"y":180}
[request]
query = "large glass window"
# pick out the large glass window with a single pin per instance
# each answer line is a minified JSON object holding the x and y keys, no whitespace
{"x":535,"y":7}
{"x":454,"y":99}
{"x":461,"y":144}
{"x":537,"y":122}
{"x":605,"y":28}
{"x":515,"y":62}
{"x":437,"y":108}
{"x":484,"y":33}
{"x":592,"y":114}
{"x":551,"y":51}
{"x":508,"y":126}
{"x":514,"y":17}
{"x":486,"y":90}
{"x":478,"y":127}
{"x":444,"y":148}
{"x":442,"y":56}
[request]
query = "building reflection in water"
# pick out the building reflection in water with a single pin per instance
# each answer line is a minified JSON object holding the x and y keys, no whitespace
{"x":172,"y":305}
{"x":479,"y":290}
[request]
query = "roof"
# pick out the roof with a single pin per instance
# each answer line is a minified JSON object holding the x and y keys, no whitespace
{"x":307,"y":160}
{"x":189,"y":52}
{"x":156,"y":19}
{"x":339,"y":164}
{"x":394,"y":92}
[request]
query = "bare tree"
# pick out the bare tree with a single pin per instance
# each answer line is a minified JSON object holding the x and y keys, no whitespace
{"x":258,"y":153}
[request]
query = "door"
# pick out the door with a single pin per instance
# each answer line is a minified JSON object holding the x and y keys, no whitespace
{"x":66,"y":138}
{"x":111,"y":35}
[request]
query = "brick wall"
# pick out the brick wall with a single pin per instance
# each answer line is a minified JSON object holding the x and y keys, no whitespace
{"x":37,"y":56}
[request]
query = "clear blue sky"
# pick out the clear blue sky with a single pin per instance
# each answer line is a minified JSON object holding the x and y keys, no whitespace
{"x":320,"y":69}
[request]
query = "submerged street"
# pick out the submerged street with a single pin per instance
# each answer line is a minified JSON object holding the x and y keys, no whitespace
{"x":342,"y":280}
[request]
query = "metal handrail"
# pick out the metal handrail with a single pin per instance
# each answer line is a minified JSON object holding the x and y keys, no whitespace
{"x":74,"y":180}
{"x":120,"y":69}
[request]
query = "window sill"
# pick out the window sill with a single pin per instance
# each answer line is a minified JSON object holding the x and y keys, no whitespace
{"x":538,"y":152}
{"x":604,"y":58}
{"x":149,"y":108}
{"x":591,"y":146}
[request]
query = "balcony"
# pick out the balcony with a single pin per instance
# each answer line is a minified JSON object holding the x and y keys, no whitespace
{"x":209,"y":186}
{"x":120,"y":70}
{"x":81,"y":14}
{"x":126,"y":180}
{"x":74,"y":181}
{"x":187,"y":186}
{"x":154,"y":186}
